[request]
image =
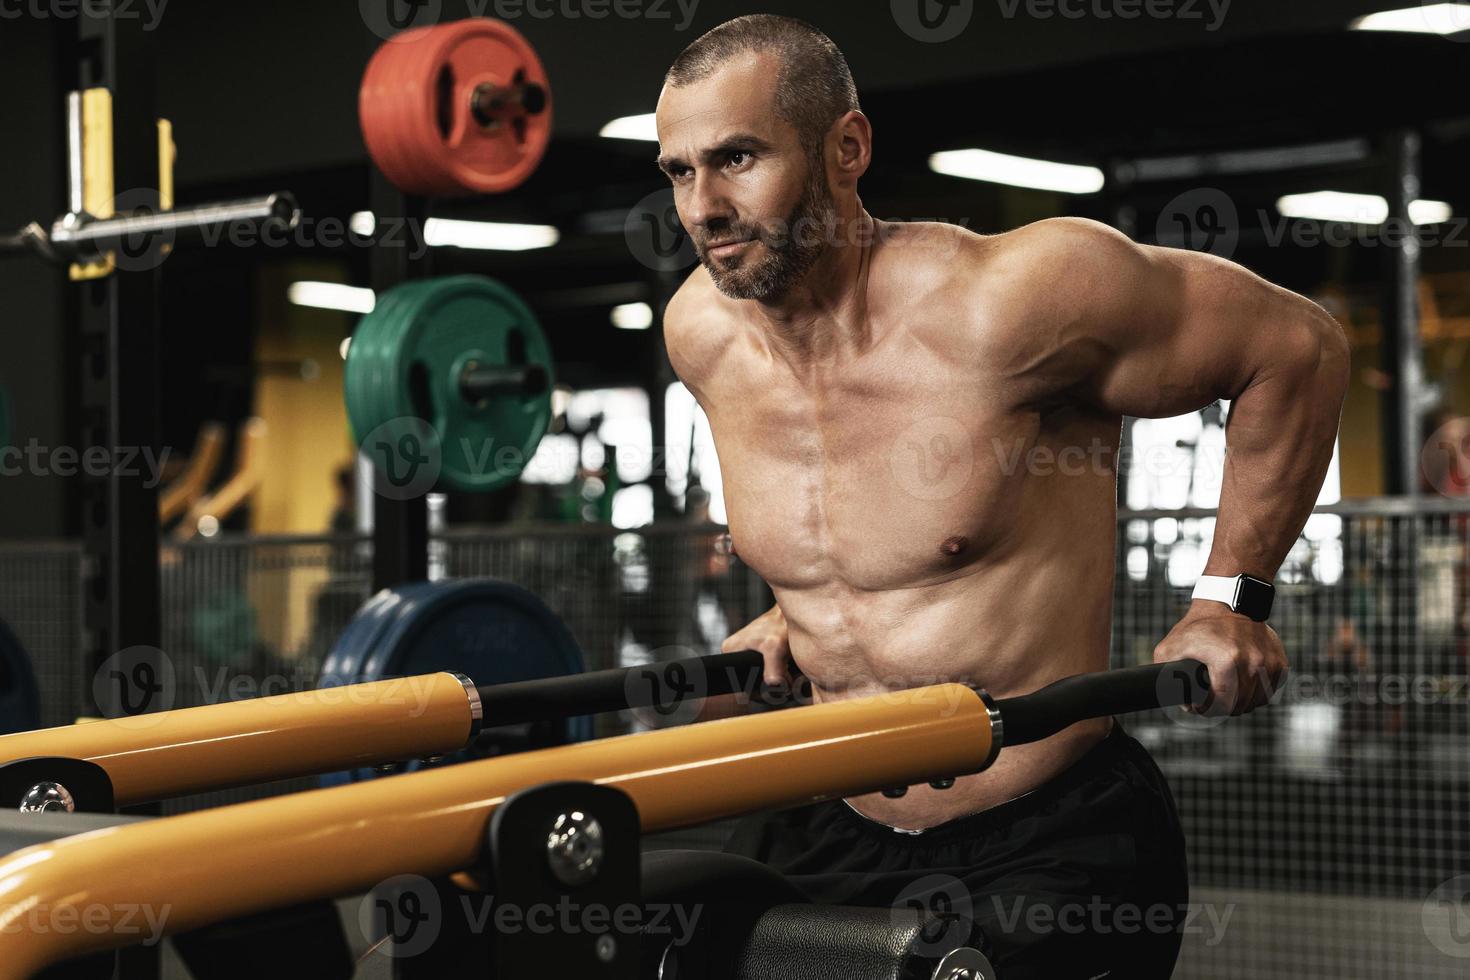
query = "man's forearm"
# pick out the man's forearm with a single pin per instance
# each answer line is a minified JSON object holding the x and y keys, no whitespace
{"x":1279,"y":442}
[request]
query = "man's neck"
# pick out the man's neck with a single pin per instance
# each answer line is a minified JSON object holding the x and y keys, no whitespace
{"x":824,"y":317}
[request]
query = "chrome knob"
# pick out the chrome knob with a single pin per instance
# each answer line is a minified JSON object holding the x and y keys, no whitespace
{"x":47,"y":796}
{"x":574,"y":848}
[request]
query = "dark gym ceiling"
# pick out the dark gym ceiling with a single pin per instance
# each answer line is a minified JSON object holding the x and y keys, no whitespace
{"x":271,"y":86}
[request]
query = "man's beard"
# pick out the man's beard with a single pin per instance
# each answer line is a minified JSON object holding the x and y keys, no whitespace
{"x":791,"y":250}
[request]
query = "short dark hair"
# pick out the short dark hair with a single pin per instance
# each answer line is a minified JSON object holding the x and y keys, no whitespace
{"x":814,"y":86}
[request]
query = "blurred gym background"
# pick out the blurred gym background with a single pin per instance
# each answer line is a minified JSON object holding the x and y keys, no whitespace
{"x":1331,"y":829}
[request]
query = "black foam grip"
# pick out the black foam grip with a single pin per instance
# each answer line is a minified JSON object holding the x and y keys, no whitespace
{"x":614,"y":690}
{"x":1032,"y":717}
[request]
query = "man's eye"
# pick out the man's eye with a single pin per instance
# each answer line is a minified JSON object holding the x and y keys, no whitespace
{"x":738,"y":157}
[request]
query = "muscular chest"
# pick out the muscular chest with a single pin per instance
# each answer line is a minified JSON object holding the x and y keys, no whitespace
{"x":894,"y":471}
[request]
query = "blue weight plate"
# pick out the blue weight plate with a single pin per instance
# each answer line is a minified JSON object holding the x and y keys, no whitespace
{"x":492,"y":632}
{"x":345,"y":663}
{"x":20,"y":697}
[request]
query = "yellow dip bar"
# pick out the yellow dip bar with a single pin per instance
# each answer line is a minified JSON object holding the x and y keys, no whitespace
{"x":233,"y":861}
{"x":192,"y":750}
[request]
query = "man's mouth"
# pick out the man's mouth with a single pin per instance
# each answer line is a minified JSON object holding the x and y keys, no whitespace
{"x":728,"y":248}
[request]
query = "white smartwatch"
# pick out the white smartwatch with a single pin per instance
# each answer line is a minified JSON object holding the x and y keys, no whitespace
{"x":1242,"y":593}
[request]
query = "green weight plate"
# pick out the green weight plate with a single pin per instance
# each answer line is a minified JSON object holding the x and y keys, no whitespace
{"x":367,"y":370}
{"x":378,"y":426}
{"x":416,"y":345}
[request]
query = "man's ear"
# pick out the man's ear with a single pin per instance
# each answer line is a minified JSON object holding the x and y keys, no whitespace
{"x":850,"y":145}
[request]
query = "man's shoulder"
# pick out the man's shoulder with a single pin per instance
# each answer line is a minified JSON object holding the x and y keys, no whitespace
{"x":998,"y":300}
{"x":1037,"y":272}
{"x":1053,"y":254}
{"x":1030,"y":259}
{"x":697,"y":327}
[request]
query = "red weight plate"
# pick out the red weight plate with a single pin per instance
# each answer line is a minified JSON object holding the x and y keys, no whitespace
{"x":415,"y":106}
{"x":388,"y":105}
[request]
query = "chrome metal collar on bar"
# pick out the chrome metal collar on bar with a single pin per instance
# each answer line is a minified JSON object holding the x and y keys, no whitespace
{"x":997,"y":726}
{"x":477,"y":707}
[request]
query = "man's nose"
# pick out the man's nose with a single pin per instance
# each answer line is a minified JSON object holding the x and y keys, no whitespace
{"x":706,"y":203}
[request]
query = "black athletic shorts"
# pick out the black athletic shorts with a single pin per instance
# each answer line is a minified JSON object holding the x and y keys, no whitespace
{"x":1083,"y":877}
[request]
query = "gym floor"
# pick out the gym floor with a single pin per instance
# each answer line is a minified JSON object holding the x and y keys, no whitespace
{"x":239,"y":521}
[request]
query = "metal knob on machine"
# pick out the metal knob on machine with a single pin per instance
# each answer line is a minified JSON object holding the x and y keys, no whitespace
{"x":47,"y":796}
{"x":964,"y":963}
{"x":574,"y":848}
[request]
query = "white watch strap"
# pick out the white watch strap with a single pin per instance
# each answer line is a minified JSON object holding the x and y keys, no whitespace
{"x":1220,"y":588}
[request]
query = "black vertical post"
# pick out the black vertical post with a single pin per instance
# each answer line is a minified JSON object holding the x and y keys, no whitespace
{"x":1400,"y":349}
{"x":117,"y":319}
{"x":400,"y":527}
{"x":117,"y":329}
{"x":1404,"y":401}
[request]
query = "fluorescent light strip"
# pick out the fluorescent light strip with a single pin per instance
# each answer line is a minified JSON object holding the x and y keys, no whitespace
{"x":1000,"y":168}
{"x":499,"y":236}
{"x":1430,"y":212}
{"x":1431,"y":18}
{"x":632,"y":316}
{"x":496,"y":235}
{"x":631,"y":128}
{"x":1362,"y":209}
{"x":331,"y":296}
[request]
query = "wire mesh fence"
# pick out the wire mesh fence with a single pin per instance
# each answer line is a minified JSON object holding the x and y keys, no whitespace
{"x":41,"y":602}
{"x":1328,"y":831}
{"x":1328,"y":835}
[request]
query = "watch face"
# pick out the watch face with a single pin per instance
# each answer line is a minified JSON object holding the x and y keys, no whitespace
{"x":1253,"y":597}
